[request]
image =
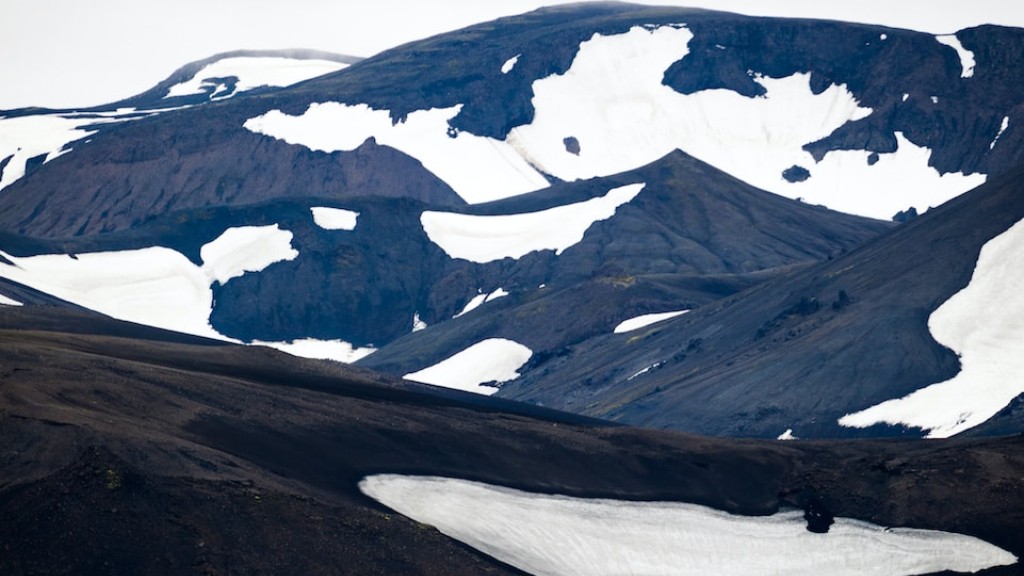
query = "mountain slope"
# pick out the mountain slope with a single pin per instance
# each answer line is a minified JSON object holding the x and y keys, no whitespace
{"x":161,"y":455}
{"x":368,"y":283}
{"x":759,"y":98}
{"x":797,"y":352}
{"x":692,"y":235}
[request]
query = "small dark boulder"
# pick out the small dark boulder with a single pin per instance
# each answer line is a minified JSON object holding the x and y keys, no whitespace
{"x":572,"y":145}
{"x":819,"y":518}
{"x":796,"y":173}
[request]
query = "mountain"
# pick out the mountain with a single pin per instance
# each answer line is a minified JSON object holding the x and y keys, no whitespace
{"x":802,"y":350}
{"x":496,"y":201}
{"x":148,"y":451}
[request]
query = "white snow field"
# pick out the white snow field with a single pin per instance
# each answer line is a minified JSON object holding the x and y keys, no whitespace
{"x":478,"y":169}
{"x":558,"y":535}
{"x":480,"y":299}
{"x":966,"y":56}
{"x":334,"y":218}
{"x":484,"y":239}
{"x":154,"y":286}
{"x":984,"y":325}
{"x":613,"y":103}
{"x":252,"y":72}
{"x":6,"y":301}
{"x":490,"y":360}
{"x":160,"y":287}
{"x":638,"y":322}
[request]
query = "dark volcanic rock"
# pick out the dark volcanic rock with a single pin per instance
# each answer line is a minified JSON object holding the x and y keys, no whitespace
{"x":164,"y":457}
{"x":776,"y":357}
{"x":694,"y":234}
{"x":151,"y":167}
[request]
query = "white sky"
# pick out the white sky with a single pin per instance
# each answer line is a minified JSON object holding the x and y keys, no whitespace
{"x":64,"y":53}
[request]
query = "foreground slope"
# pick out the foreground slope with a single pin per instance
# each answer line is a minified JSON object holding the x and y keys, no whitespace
{"x":145,"y":451}
{"x":801,"y":352}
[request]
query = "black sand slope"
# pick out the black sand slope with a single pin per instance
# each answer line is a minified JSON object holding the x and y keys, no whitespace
{"x":144,"y":454}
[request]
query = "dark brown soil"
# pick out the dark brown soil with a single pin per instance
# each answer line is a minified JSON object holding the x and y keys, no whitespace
{"x":154,"y":455}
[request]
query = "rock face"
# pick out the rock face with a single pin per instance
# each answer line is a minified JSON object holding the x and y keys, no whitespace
{"x":794,"y":319}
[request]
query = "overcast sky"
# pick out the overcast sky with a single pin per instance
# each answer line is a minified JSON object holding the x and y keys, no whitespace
{"x":65,"y":53}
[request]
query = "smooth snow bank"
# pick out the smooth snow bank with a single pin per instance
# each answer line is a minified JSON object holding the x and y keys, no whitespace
{"x":491,"y":360}
{"x":984,"y":325}
{"x":5,"y":301}
{"x":154,"y":286}
{"x":558,"y":535}
{"x":645,"y":320}
{"x":252,"y":72}
{"x":613,"y":102}
{"x":334,"y":218}
{"x":246,"y":249}
{"x":478,"y":169}
{"x":484,"y":239}
{"x":480,"y":299}
{"x":337,"y":350}
{"x":965,"y":55}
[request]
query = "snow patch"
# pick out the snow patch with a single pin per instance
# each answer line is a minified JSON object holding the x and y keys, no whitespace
{"x":154,"y":286}
{"x":966,"y":56}
{"x":245,"y":249}
{"x":788,"y":434}
{"x":417,"y":323}
{"x":613,"y":102}
{"x":645,"y":371}
{"x":1002,"y":128}
{"x":334,"y":218}
{"x":160,"y":287}
{"x":645,"y":320}
{"x":252,"y":72}
{"x":479,"y":299}
{"x":984,"y":325}
{"x":5,"y":301}
{"x":510,"y":64}
{"x":552,"y":534}
{"x":27,"y":137}
{"x":337,"y":350}
{"x":845,"y":181}
{"x":491,"y":360}
{"x":484,"y":239}
{"x":479,"y":169}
